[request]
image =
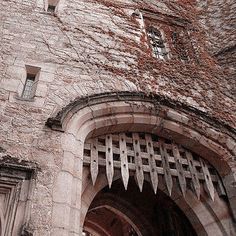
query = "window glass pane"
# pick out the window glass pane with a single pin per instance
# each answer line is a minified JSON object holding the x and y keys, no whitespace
{"x":157,"y":43}
{"x":27,"y":92}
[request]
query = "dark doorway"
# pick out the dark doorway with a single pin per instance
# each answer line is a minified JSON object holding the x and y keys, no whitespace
{"x":117,"y":212}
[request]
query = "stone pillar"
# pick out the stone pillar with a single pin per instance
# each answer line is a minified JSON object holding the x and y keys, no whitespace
{"x":67,"y":189}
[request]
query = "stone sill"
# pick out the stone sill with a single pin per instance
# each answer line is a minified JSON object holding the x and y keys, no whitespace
{"x":24,"y":99}
{"x":47,"y":13}
{"x":36,"y":101}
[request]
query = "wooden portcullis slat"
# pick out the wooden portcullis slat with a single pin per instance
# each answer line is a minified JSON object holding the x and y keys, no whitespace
{"x":193,"y":170}
{"x":124,"y":160}
{"x":152,"y":162}
{"x":109,"y":160}
{"x":166,"y":166}
{"x":179,"y":168}
{"x":94,"y":160}
{"x":208,"y":181}
{"x":138,"y":161}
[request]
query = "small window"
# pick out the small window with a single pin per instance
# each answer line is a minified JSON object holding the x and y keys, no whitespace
{"x":30,"y":82}
{"x":157,"y":43}
{"x":28,"y":88}
{"x":178,"y":43}
{"x":51,"y":8}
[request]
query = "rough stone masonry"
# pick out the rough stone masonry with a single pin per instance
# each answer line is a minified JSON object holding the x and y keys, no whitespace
{"x":90,"y":47}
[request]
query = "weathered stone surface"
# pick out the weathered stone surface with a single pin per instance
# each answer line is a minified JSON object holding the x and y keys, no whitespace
{"x":90,"y":47}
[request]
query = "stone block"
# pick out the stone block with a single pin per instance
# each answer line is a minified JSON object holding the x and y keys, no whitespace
{"x":74,"y":221}
{"x":77,"y":120}
{"x":59,"y":232}
{"x":76,"y":193}
{"x":231,"y":144}
{"x":177,"y":116}
{"x":9,"y":84}
{"x":213,"y":133}
{"x":62,"y":188}
{"x":78,"y":166}
{"x":61,"y":216}
{"x":69,"y":143}
{"x":41,"y":90}
{"x":172,"y":126}
{"x":68,"y":162}
{"x":47,"y":77}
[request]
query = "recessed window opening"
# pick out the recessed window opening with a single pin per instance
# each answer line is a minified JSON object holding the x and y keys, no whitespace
{"x":27,"y":92}
{"x":30,"y":85}
{"x":157,"y":43}
{"x":51,"y":8}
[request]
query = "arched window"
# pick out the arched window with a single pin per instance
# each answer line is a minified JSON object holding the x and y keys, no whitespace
{"x":157,"y":43}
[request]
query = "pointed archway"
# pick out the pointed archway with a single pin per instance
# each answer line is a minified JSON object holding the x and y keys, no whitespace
{"x":135,"y":213}
{"x":191,"y":183}
{"x":117,"y":113}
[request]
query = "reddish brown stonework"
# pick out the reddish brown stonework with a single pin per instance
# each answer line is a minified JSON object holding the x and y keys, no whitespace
{"x":90,"y":70}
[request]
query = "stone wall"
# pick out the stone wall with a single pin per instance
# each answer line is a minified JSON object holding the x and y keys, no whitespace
{"x":218,"y":20}
{"x":89,"y":47}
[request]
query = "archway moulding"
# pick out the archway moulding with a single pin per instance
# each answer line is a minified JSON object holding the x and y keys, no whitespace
{"x":126,"y":111}
{"x":56,"y":122}
{"x":132,"y":112}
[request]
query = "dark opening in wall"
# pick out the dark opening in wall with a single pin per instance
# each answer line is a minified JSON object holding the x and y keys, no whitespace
{"x":51,"y":8}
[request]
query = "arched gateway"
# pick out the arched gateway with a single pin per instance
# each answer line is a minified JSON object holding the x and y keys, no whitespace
{"x":136,"y":165}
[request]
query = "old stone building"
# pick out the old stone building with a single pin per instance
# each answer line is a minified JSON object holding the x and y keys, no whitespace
{"x":117,"y":118}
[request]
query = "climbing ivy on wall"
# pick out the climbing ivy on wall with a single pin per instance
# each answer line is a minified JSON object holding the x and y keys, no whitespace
{"x":200,"y":82}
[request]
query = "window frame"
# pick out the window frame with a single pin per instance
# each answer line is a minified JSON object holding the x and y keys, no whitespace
{"x":51,"y":6}
{"x":29,"y":89}
{"x":159,"y":51}
{"x":167,"y":24}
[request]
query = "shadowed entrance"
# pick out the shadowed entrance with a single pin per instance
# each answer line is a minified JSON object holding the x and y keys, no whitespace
{"x":116,"y":212}
{"x":194,"y":187}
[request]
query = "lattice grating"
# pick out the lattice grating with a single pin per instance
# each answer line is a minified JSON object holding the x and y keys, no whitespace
{"x":144,"y":153}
